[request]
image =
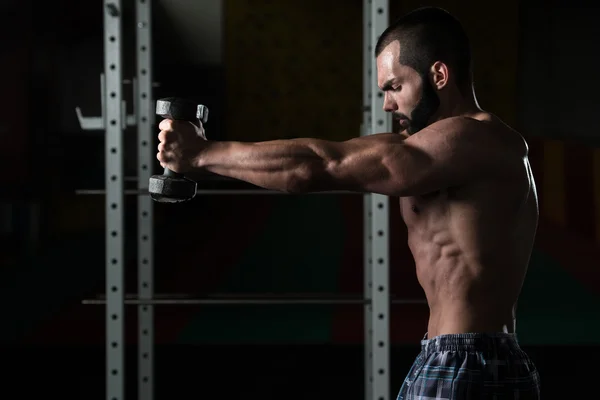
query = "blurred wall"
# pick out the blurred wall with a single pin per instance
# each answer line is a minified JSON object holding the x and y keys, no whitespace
{"x":558,"y":96}
{"x":198,"y":27}
{"x":556,"y":110}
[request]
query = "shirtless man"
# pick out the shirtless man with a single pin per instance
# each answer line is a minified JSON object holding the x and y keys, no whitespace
{"x":466,"y":193}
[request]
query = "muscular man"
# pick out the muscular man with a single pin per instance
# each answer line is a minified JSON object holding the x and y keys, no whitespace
{"x":466,"y":193}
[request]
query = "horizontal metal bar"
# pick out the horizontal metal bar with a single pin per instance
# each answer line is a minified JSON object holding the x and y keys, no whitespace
{"x":249,"y":300}
{"x":197,"y":178}
{"x":130,"y":81}
{"x":262,"y":295}
{"x":213,"y":192}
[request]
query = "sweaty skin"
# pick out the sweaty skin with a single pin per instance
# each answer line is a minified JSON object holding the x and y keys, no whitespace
{"x":465,"y":187}
{"x":472,"y":243}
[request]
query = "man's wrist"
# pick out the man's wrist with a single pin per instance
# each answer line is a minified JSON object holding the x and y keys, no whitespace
{"x":200,"y":160}
{"x":206,"y":154}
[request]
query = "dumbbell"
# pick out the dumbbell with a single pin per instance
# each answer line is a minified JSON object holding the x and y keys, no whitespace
{"x":172,"y":187}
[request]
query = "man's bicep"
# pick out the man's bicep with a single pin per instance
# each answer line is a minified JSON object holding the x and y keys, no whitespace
{"x":377,"y":164}
{"x":393,"y":165}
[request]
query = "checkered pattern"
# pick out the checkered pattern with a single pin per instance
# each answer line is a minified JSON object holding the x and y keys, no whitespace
{"x":471,"y":366}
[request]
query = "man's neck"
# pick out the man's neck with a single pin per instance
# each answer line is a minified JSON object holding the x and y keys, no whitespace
{"x":459,"y":106}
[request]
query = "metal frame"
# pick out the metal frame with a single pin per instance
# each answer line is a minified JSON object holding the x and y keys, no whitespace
{"x":145,"y":119}
{"x":376,"y":298}
{"x":114,"y":124}
{"x":376,"y":220}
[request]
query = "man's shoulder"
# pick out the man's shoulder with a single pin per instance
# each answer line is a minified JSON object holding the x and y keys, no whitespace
{"x":484,"y":122}
{"x":488,"y":129}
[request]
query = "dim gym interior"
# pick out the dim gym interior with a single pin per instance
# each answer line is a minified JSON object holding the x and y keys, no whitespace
{"x":123,"y":279}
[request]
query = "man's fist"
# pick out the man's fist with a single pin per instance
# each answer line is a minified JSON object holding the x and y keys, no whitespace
{"x":181,"y":144}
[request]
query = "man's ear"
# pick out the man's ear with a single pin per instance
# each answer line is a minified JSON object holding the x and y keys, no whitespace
{"x":439,"y":75}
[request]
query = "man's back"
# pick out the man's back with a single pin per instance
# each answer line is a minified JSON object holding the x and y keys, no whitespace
{"x":472,"y":243}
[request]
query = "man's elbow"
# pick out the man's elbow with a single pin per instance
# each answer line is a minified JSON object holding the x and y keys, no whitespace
{"x":298,"y":181}
{"x":308,"y":179}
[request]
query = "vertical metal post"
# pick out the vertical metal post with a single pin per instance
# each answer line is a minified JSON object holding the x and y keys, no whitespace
{"x":145,"y":119}
{"x":375,"y":120}
{"x":368,"y":260}
{"x":115,"y":229}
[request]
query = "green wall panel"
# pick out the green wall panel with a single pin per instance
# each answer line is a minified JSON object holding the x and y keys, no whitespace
{"x":555,"y":308}
{"x":300,"y":251}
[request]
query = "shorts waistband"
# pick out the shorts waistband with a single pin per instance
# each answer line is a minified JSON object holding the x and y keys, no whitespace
{"x":476,"y":342}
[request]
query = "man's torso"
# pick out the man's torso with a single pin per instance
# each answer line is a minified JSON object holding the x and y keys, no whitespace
{"x":472,"y":244}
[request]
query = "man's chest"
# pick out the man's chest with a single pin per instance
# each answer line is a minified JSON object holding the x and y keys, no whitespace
{"x":418,"y":209}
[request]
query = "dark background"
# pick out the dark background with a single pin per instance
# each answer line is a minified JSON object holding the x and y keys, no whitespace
{"x":267,"y":70}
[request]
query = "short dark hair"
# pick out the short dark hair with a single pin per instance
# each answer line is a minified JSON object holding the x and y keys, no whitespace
{"x":427,"y":35}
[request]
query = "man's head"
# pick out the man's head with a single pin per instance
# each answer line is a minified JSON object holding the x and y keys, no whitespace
{"x":419,"y":56}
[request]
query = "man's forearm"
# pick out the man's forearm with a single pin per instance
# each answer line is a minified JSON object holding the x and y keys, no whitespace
{"x":296,"y":165}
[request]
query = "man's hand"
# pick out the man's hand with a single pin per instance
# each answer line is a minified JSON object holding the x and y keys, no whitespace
{"x":181,"y":143}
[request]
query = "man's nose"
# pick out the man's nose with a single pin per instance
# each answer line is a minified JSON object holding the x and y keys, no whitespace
{"x":389,"y":104}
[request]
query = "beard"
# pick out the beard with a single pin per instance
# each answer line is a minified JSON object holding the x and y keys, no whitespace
{"x":424,"y":111}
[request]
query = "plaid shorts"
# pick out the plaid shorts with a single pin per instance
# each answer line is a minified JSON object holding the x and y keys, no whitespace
{"x":471,"y":366}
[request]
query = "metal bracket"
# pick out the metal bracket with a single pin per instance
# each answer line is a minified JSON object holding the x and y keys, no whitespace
{"x":98,"y":123}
